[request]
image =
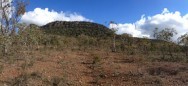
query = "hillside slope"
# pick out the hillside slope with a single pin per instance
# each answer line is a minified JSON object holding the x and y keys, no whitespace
{"x":77,"y":28}
{"x":41,"y":59}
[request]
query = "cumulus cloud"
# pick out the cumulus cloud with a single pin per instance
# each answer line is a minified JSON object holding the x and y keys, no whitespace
{"x":43,"y":16}
{"x":146,"y":25}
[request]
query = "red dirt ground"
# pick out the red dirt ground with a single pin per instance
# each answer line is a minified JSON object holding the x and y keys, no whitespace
{"x":77,"y":68}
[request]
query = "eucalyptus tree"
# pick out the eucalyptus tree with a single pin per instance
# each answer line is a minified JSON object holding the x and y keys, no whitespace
{"x":113,"y":27}
{"x":183,"y":40}
{"x":11,"y":12}
{"x":127,"y":43}
{"x":166,"y":36}
{"x":145,"y":44}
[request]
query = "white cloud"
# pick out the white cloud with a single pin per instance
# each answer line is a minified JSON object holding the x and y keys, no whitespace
{"x":126,"y":28}
{"x":43,"y":16}
{"x":146,"y":25}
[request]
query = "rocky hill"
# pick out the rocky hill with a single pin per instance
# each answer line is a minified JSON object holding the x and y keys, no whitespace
{"x":77,"y":28}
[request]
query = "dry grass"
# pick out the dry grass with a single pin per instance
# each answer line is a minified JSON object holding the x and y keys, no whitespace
{"x":88,"y":68}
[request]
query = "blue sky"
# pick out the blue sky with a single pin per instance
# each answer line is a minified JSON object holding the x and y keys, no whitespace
{"x":120,"y":11}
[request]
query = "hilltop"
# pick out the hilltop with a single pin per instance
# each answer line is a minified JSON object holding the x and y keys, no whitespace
{"x":76,"y":28}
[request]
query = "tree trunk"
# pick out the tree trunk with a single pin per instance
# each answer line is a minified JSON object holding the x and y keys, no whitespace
{"x":170,"y":51}
{"x":163,"y":51}
{"x":186,"y":52}
{"x":5,"y":49}
{"x":114,"y":44}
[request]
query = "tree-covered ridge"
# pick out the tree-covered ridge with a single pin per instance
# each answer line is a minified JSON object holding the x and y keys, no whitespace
{"x":77,"y":28}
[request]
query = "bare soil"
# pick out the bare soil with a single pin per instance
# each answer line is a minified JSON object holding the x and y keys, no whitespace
{"x":90,"y":68}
